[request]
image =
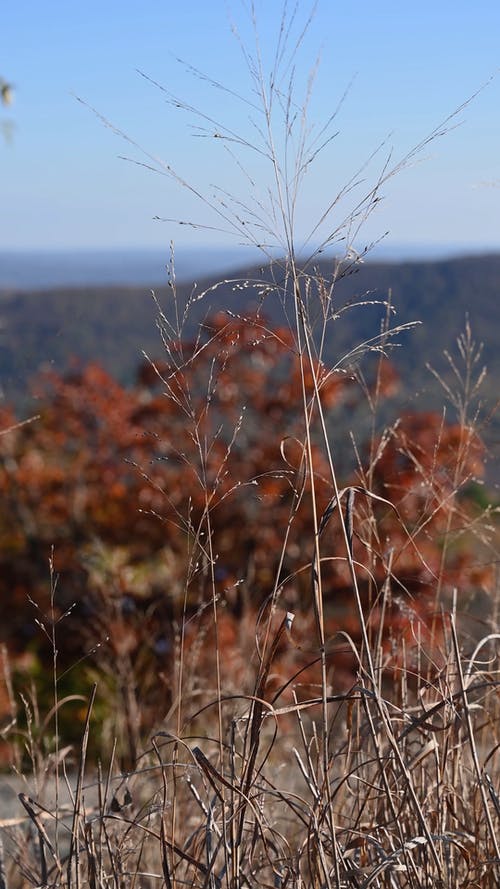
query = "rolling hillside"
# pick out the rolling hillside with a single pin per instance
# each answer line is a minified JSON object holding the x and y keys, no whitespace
{"x":112,"y":325}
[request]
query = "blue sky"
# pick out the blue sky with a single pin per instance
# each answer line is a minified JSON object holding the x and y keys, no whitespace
{"x":63,"y":184}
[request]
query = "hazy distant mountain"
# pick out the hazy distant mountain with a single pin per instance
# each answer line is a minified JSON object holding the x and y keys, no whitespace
{"x":113,"y":324}
{"x":84,"y":267}
{"x":43,"y":269}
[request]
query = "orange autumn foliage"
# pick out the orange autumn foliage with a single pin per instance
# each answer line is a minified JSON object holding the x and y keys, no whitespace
{"x":158,"y":498}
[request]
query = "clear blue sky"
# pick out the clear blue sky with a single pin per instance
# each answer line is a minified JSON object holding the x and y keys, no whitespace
{"x":62,"y":183}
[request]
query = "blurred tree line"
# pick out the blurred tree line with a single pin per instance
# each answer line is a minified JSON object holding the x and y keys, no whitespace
{"x":151,"y":501}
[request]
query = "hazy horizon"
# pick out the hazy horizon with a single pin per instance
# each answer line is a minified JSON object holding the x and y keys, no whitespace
{"x":39,"y":269}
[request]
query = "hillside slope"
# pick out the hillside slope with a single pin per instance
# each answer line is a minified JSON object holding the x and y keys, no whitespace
{"x":112,"y":325}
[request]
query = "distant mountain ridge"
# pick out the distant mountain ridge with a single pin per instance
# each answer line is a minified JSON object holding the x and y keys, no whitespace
{"x":42,"y":269}
{"x":30,"y":270}
{"x":113,"y":325}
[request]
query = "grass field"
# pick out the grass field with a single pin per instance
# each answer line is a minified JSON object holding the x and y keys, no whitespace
{"x":327,"y":714}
